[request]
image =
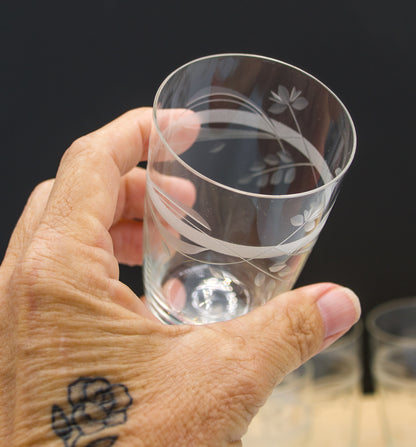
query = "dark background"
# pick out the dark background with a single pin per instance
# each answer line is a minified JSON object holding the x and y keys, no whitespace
{"x":70,"y":67}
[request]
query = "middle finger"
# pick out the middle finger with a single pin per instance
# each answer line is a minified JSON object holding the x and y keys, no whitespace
{"x":131,"y":198}
{"x":130,"y":203}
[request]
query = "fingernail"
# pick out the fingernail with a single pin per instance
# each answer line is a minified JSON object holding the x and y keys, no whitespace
{"x":340,"y":309}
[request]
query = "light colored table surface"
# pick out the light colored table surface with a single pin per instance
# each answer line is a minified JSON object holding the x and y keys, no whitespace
{"x":370,"y":430}
{"x":331,"y":429}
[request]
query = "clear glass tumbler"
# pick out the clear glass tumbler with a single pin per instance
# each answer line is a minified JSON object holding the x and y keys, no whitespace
{"x":394,"y":370}
{"x":336,"y":391}
{"x":392,"y":323}
{"x":392,"y":329}
{"x":246,"y":156}
{"x":286,"y":418}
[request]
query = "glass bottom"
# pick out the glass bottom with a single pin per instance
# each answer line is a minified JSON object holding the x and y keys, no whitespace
{"x":198,"y":294}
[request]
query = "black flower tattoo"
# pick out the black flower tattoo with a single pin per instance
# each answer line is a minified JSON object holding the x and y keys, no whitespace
{"x":96,"y":404}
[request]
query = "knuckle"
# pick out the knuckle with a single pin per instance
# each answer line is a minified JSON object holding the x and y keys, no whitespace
{"x":231,"y":391}
{"x":80,"y":148}
{"x":42,"y":187}
{"x":239,"y":369}
{"x":36,"y":266}
{"x":79,"y":145}
{"x":40,"y":194}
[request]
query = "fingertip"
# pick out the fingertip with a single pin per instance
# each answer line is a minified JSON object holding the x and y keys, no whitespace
{"x":179,"y":128}
{"x":340,"y":309}
{"x":127,"y":236}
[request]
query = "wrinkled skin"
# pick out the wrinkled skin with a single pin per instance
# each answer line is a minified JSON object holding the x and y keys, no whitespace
{"x":64,"y":314}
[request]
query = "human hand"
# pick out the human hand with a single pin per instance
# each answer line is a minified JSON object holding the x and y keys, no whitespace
{"x":84,"y":363}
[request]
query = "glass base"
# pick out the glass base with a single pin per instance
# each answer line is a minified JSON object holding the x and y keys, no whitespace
{"x":199,"y":294}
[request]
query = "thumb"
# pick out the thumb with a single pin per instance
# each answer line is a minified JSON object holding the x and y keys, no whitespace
{"x":234,"y":365}
{"x":293,"y":327}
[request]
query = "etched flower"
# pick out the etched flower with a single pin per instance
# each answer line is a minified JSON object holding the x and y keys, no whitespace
{"x":283,"y":99}
{"x":96,"y":404}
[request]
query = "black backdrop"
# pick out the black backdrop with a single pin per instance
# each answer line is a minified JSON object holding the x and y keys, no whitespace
{"x":70,"y":67}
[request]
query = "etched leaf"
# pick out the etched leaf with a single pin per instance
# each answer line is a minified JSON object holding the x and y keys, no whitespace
{"x":217,"y":148}
{"x":272,"y":159}
{"x":277,"y":268}
{"x":283,"y":92}
{"x":257,"y":166}
{"x":309,"y":226}
{"x":275,"y":97}
{"x":285,"y":158}
{"x":300,"y":103}
{"x":259,"y":279}
{"x":276,"y":177}
{"x":245,"y":180}
{"x":315,"y":213}
{"x":294,"y":94}
{"x":297,"y":220}
{"x":262,"y":180}
{"x":285,"y":272}
{"x":290,"y":175}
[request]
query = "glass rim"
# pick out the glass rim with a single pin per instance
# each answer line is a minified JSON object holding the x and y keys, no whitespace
{"x":333,"y":181}
{"x":382,"y":375}
{"x":382,"y":309}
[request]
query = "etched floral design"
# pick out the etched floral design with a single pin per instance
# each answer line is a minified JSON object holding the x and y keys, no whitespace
{"x":274,"y":169}
{"x":281,"y":269}
{"x":196,"y":238}
{"x":95,"y":404}
{"x":308,"y":219}
{"x":283,"y":100}
{"x":259,"y":279}
{"x":277,"y":168}
{"x":268,"y":281}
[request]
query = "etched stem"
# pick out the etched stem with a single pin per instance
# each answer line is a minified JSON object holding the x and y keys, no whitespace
{"x":304,"y":145}
{"x":276,"y":168}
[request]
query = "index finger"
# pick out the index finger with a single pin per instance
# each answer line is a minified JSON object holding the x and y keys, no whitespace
{"x":87,"y":181}
{"x":87,"y":184}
